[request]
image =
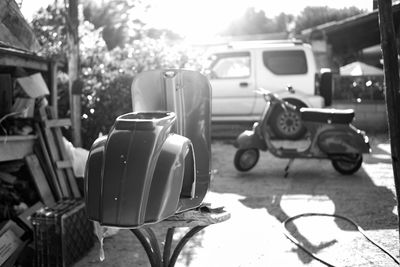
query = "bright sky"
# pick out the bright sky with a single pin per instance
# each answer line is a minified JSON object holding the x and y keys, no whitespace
{"x":200,"y":19}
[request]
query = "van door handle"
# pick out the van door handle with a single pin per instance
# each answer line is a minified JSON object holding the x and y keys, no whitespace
{"x":243,"y":84}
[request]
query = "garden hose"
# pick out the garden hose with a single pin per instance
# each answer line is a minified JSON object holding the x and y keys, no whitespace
{"x":359,"y":229}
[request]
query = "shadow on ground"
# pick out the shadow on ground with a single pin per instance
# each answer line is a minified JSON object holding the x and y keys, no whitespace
{"x":359,"y":197}
{"x":262,"y":194}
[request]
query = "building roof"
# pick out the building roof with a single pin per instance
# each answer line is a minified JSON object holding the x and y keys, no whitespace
{"x":11,"y":57}
{"x":15,"y":32}
{"x":352,"y":34}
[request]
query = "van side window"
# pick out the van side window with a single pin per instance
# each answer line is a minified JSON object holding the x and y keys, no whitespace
{"x":233,"y":65}
{"x":285,"y":62}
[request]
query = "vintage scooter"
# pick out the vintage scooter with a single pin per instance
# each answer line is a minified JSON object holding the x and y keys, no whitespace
{"x":155,"y":161}
{"x":330,"y":135}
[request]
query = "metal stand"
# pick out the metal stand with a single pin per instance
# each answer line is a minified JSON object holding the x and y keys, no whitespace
{"x":288,"y":167}
{"x":196,"y":220}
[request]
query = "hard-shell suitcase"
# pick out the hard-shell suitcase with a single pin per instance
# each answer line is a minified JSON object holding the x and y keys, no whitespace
{"x":62,"y":234}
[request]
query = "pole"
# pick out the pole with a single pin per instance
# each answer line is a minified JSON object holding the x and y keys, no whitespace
{"x":391,"y":71}
{"x":73,"y":71}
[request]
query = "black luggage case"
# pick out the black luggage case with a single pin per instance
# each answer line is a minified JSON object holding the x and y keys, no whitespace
{"x":62,"y":234}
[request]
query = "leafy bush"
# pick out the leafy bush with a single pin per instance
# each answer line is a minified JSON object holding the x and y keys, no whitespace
{"x":107,"y":75}
{"x":102,"y":105}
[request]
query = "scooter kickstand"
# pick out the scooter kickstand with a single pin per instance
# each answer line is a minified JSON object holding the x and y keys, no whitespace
{"x":288,"y":167}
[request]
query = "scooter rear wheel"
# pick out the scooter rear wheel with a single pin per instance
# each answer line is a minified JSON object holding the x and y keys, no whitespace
{"x":246,"y":159}
{"x":349,"y":164}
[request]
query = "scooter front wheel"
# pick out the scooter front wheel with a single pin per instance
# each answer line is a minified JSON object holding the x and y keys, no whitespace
{"x":246,"y":159}
{"x":347,"y":164}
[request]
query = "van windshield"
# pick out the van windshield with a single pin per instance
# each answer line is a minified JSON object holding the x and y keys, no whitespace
{"x":231,"y":65}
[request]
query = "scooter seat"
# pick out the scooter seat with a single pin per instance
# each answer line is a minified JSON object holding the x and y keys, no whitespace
{"x":327,"y":115}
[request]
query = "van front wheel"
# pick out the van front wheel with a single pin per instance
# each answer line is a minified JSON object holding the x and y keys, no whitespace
{"x":287,"y":124}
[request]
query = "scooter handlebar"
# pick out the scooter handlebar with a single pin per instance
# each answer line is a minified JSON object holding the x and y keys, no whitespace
{"x":268,"y":96}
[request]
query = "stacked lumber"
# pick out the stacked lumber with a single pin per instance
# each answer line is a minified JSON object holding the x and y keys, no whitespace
{"x":53,"y":182}
{"x":53,"y":155}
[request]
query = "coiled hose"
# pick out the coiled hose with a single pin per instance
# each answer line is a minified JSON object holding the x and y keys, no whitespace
{"x":359,"y":229}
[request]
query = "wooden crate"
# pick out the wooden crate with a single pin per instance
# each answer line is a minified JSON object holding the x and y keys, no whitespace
{"x":14,"y":147}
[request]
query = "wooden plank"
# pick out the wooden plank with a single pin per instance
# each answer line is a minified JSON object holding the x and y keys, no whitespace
{"x":196,"y":217}
{"x":64,"y":156}
{"x":57,"y":123}
{"x":64,"y":164}
{"x":54,"y":154}
{"x":39,"y":178}
{"x":53,"y":66}
{"x":47,"y":164}
{"x":16,"y":61}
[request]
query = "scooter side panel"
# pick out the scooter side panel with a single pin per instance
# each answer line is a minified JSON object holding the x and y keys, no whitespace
{"x":149,"y":94}
{"x":343,"y":142}
{"x":169,"y":178}
{"x":121,"y":166}
{"x":93,"y":178}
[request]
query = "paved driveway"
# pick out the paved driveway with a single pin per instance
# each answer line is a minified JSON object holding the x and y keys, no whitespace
{"x":261,"y":199}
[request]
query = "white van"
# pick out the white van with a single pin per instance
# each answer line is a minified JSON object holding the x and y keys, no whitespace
{"x":238,"y":69}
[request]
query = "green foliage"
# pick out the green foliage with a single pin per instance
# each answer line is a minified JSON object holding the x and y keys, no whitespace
{"x":102,"y":103}
{"x":313,"y":16}
{"x":108,"y":76}
{"x":255,"y":22}
{"x":106,"y":73}
{"x":115,"y":19}
{"x":49,"y":25}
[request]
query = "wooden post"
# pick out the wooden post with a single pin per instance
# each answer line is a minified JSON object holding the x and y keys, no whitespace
{"x":53,"y":85}
{"x":391,"y":70}
{"x":73,"y":71}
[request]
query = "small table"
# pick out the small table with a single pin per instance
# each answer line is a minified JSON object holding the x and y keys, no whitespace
{"x":196,"y":220}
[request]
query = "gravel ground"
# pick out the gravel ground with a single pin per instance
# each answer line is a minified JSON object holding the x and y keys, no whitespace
{"x":261,"y":199}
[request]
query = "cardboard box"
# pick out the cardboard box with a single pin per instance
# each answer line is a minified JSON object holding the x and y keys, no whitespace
{"x":34,"y":85}
{"x":10,"y":241}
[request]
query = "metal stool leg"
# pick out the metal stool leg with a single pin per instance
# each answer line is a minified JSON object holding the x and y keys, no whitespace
{"x":150,"y":245}
{"x":182,"y":243}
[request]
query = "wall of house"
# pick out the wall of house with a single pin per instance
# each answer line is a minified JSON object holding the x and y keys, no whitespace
{"x":370,"y":117}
